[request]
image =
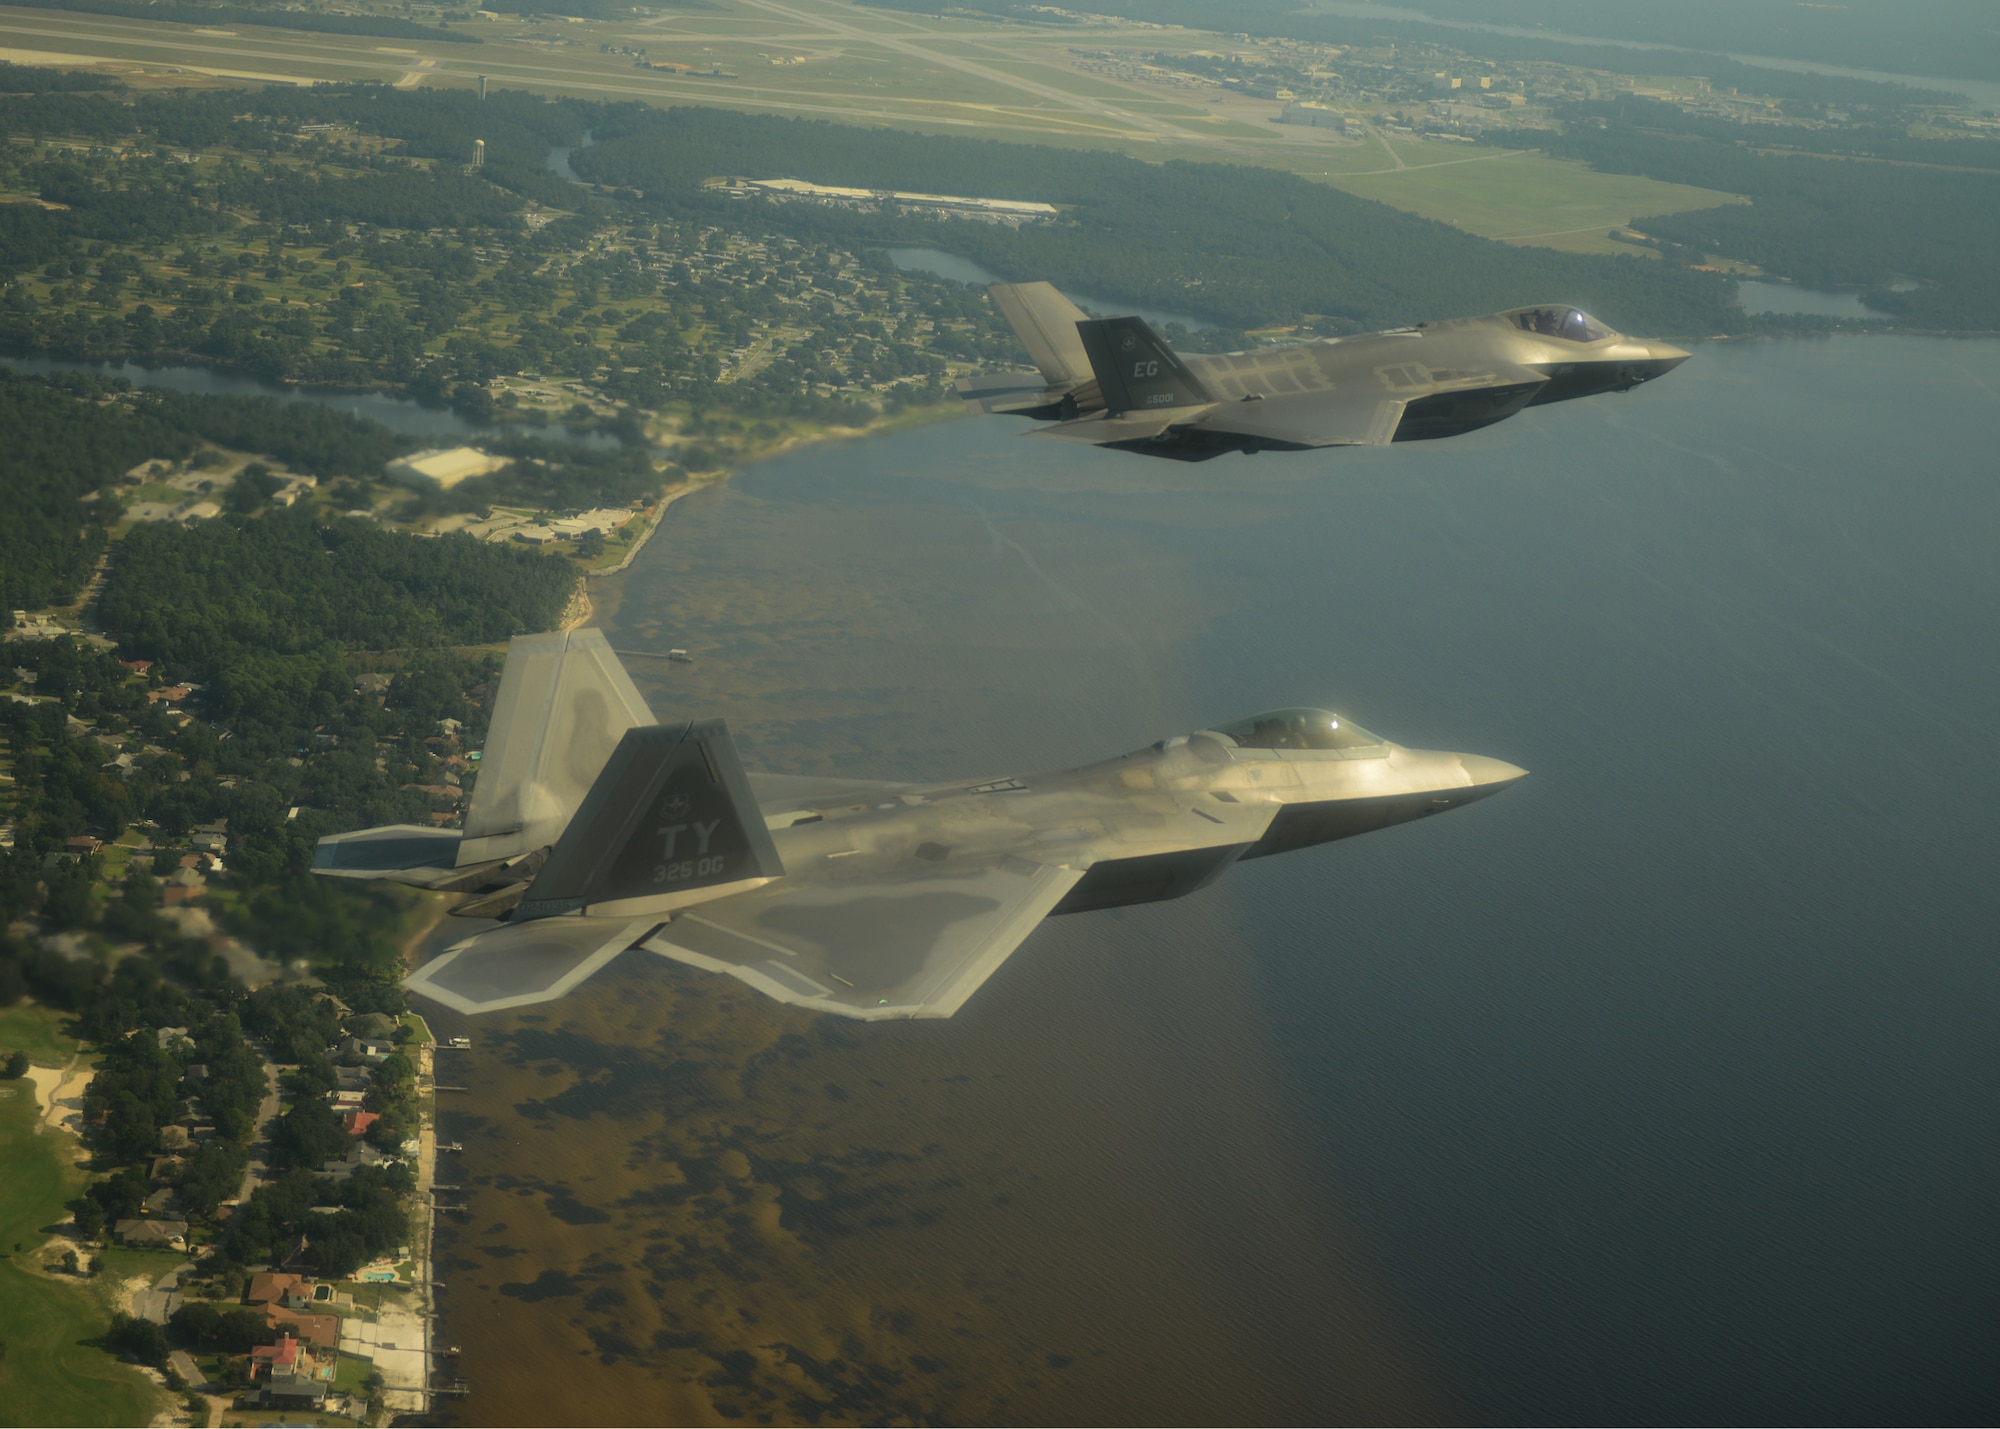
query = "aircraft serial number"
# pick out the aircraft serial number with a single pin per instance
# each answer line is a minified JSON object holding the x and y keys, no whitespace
{"x":687,"y":868}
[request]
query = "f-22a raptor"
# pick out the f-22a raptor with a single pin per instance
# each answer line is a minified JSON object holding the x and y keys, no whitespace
{"x":1114,"y":382}
{"x":594,"y":828}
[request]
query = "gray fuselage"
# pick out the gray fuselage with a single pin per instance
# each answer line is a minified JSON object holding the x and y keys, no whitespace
{"x":1157,"y":823}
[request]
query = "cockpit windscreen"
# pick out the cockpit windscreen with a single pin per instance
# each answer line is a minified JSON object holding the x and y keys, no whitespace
{"x":1569,"y":324}
{"x":1297,"y":729}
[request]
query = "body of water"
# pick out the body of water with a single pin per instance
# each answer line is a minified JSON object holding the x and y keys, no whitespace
{"x":1659,"y":1089}
{"x":964,"y":270}
{"x":402,"y":414}
{"x":1755,"y":297}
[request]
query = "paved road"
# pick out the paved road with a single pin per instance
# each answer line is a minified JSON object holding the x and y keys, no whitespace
{"x":159,"y":1303}
{"x":260,"y":1146}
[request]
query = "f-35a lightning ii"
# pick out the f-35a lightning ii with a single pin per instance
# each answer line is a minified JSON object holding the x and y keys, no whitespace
{"x":1113,"y":382}
{"x":594,"y":829}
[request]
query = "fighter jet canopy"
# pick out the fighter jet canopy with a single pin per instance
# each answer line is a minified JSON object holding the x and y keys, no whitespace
{"x":1297,"y":728}
{"x":1569,"y":324}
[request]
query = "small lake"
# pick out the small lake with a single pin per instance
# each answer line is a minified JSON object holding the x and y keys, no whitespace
{"x":402,"y":414}
{"x":941,"y":264}
{"x":1755,"y":297}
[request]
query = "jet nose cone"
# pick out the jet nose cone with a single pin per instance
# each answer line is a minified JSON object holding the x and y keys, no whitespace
{"x":1490,"y":776}
{"x":1666,"y":355}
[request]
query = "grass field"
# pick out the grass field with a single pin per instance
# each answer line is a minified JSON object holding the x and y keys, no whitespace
{"x":1523,"y":196}
{"x":49,"y":1374}
{"x":36,"y":1031}
{"x":952,"y":76}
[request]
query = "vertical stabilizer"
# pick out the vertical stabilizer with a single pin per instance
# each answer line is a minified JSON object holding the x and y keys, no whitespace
{"x":1045,"y":321}
{"x":564,"y":703}
{"x":671,"y":821}
{"x":1136,"y":370}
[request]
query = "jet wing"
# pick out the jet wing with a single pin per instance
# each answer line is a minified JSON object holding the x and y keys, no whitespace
{"x":1314,"y":419}
{"x":896,"y":938}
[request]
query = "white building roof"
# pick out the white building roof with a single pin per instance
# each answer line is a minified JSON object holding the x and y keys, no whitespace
{"x":446,"y":466}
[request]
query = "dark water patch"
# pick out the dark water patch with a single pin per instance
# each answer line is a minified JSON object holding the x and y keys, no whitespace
{"x":605,"y":1297}
{"x":572,"y":1212}
{"x":697,"y":1178}
{"x":850,"y":1393}
{"x":502,"y":1252}
{"x":829,"y":1196}
{"x":629,"y":1088}
{"x":549,"y":1285}
{"x":611,"y":1343}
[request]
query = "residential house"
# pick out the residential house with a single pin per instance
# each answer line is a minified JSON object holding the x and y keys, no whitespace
{"x":183,"y":886}
{"x":288,"y":1389}
{"x":320,"y":1332}
{"x":153,"y":1234}
{"x":163,"y":1203}
{"x":290,"y":1375}
{"x":271,"y":1287}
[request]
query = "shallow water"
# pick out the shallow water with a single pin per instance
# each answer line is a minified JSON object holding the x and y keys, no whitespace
{"x":1658,"y":1090}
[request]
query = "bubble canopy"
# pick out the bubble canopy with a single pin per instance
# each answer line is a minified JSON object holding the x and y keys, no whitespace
{"x":1566,"y":323}
{"x":1297,"y":728}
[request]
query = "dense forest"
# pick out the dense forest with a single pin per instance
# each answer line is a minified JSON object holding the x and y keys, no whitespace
{"x":226,"y":600}
{"x":69,"y":439}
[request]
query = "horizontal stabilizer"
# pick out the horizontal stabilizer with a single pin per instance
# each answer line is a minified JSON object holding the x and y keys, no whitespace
{"x":1021,"y":394}
{"x":403,"y":853}
{"x":1105,"y":430}
{"x":520,"y":963}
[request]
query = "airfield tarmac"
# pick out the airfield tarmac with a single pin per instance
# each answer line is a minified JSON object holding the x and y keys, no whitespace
{"x":829,"y":59}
